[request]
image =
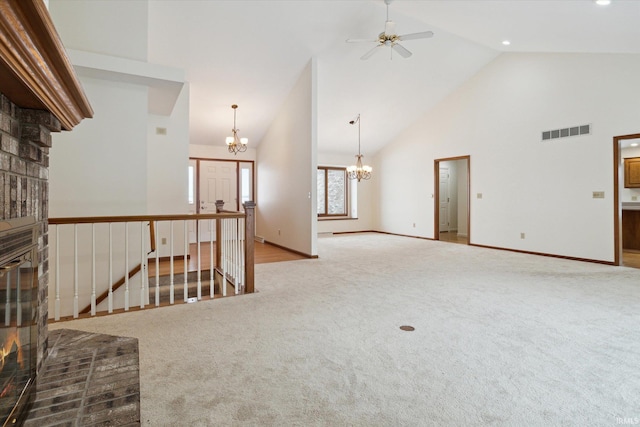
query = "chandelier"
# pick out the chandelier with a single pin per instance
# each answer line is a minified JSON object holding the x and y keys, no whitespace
{"x":234,"y":144}
{"x":358,"y":171}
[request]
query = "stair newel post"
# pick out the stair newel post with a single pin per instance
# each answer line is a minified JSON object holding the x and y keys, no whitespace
{"x":249,"y":239}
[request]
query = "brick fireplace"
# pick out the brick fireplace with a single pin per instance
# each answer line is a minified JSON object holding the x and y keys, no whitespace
{"x":25,"y":139}
{"x":39,"y":94}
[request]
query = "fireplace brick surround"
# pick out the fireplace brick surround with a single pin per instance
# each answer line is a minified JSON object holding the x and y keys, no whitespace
{"x":25,"y":139}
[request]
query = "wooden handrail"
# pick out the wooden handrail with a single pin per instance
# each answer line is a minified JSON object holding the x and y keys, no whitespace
{"x":141,"y":218}
{"x":152,"y":236}
{"x":103,"y":296}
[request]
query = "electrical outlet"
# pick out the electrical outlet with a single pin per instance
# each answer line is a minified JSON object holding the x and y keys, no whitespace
{"x":278,"y":232}
{"x":522,"y":235}
{"x":164,"y":240}
{"x":414,"y":225}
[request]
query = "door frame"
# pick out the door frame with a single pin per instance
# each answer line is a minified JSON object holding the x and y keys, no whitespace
{"x":238,"y":172}
{"x":436,"y":195}
{"x":617,"y":204}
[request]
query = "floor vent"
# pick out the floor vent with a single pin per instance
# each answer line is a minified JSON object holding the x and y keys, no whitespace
{"x":566,"y":132}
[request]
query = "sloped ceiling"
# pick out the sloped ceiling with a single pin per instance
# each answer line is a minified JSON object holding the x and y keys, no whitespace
{"x":251,"y":53}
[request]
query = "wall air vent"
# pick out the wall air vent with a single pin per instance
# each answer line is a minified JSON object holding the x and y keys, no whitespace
{"x":566,"y":132}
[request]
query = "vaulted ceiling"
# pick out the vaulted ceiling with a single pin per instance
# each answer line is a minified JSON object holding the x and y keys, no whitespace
{"x":251,"y":53}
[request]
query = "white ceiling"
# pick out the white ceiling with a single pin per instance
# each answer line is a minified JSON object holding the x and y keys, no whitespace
{"x":251,"y":53}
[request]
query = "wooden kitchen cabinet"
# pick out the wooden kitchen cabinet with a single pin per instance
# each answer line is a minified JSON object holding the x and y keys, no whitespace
{"x":632,"y":172}
{"x":631,"y":229}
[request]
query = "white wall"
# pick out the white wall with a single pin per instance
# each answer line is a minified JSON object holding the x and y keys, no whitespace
{"x":101,"y":167}
{"x":543,"y":189}
{"x":286,"y":171}
{"x":168,"y":159}
{"x":365,"y":199}
{"x":116,"y":163}
{"x":101,"y":26}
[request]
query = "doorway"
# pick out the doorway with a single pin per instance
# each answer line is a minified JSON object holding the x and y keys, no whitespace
{"x":214,"y":179}
{"x":626,"y":203}
{"x":452,"y":207}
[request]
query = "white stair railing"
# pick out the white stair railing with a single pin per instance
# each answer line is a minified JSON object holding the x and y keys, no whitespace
{"x":89,"y":253}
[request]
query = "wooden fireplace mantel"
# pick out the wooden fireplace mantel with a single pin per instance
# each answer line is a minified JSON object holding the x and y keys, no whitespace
{"x":35,"y":71}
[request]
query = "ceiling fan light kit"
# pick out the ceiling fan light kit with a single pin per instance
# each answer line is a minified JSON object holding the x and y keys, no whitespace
{"x":389,"y":38}
{"x":234,"y":144}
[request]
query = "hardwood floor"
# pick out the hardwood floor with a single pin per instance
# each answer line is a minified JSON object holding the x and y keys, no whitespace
{"x":631,"y":259}
{"x":452,"y":237}
{"x":264,"y":253}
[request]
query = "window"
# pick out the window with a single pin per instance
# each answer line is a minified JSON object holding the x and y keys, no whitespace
{"x":245,"y":183}
{"x":191,"y":184}
{"x":332,"y":191}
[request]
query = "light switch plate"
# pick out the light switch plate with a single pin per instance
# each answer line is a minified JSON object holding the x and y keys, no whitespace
{"x":598,"y":194}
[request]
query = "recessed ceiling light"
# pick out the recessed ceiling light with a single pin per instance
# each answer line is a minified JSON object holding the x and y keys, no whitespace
{"x":506,"y":42}
{"x":603,"y":2}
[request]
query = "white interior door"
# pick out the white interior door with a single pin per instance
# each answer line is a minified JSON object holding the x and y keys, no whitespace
{"x":444,"y":200}
{"x":218,"y":181}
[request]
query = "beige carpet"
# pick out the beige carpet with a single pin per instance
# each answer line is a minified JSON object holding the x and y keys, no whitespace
{"x":500,"y":339}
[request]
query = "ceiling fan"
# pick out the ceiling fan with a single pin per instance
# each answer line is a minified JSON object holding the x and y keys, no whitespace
{"x":389,"y":38}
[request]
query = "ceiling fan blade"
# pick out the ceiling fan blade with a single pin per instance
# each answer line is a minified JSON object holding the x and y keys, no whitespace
{"x":413,"y":36}
{"x":361,"y":41}
{"x":370,"y":53}
{"x":401,"y":50}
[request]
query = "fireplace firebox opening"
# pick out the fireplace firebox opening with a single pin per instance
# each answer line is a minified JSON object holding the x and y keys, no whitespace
{"x":18,"y":317}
